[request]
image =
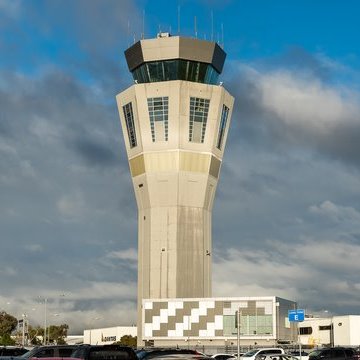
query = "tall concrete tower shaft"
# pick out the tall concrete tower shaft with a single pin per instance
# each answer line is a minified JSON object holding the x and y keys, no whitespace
{"x":175,"y":119}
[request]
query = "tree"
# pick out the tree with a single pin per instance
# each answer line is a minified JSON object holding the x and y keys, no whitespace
{"x":57,"y":334}
{"x":34,"y":335}
{"x":128,"y":340}
{"x":7,"y":340}
{"x":8,"y":323}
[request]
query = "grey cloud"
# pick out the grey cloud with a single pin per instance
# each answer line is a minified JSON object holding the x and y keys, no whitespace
{"x":281,"y":108}
{"x":96,"y":154}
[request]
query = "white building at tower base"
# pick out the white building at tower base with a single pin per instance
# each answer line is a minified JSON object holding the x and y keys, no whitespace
{"x":212,"y":321}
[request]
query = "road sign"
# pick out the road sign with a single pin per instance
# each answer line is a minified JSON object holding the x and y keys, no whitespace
{"x":296,"y":315}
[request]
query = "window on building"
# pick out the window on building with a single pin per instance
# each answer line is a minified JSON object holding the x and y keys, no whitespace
{"x":305,"y":330}
{"x":177,"y":69}
{"x":222,"y":127}
{"x":130,"y":125}
{"x":325,"y":327}
{"x":199,"y":109}
{"x":158,"y":113}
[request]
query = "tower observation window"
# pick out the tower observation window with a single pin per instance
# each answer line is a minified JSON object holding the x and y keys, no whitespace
{"x":178,"y":69}
{"x":222,"y":127}
{"x":130,"y":125}
{"x":158,"y":113}
{"x":199,"y":109}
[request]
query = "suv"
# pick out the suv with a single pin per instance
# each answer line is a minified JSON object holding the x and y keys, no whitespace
{"x":104,"y":352}
{"x":144,"y":354}
{"x":44,"y":351}
{"x":12,"y":351}
{"x":259,"y":353}
{"x":334,"y":353}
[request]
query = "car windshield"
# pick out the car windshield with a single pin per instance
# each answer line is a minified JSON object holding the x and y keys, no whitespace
{"x":250,"y":353}
{"x":141,"y":354}
{"x":315,"y":353}
{"x":29,"y":353}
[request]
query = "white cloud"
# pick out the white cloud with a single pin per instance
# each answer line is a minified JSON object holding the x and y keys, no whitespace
{"x":304,"y":101}
{"x":129,"y":254}
{"x":8,"y":271}
{"x":34,"y":248}
{"x":11,"y":8}
{"x":336,"y":212}
{"x":325,"y":268}
{"x":72,"y":205}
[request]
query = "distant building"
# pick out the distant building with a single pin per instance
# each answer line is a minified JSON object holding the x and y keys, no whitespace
{"x":331,"y":331}
{"x":212,"y":321}
{"x":108,"y":335}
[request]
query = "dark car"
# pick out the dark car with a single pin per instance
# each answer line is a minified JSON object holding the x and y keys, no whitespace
{"x":145,"y":354}
{"x":104,"y":352}
{"x":333,"y":353}
{"x":12,"y":350}
{"x":44,"y":351}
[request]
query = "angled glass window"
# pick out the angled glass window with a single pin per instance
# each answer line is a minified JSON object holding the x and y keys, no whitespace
{"x":130,"y":125}
{"x":199,"y":109}
{"x":159,"y":113}
{"x":178,"y":69}
{"x":222,"y":126}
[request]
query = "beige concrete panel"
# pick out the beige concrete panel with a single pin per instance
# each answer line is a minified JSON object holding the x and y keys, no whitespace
{"x":163,"y":189}
{"x":137,"y":165}
{"x":160,"y":48}
{"x":144,"y":246}
{"x":195,"y":49}
{"x":208,"y":253}
{"x":210,"y":193}
{"x":215,"y":165}
{"x":192,"y":189}
{"x":173,"y":48}
{"x":141,"y":192}
{"x":162,"y":161}
{"x":194,"y":162}
{"x":190,"y":264}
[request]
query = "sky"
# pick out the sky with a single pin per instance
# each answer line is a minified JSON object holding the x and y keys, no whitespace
{"x":286,"y":218}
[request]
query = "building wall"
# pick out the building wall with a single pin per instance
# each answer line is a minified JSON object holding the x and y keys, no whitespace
{"x":211,"y":321}
{"x":109,"y":335}
{"x":332,"y":331}
{"x":174,"y":181}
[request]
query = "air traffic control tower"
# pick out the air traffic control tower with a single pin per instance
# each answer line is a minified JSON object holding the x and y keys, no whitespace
{"x":175,"y":120}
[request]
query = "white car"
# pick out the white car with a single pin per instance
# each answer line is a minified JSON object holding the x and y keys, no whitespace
{"x":223,"y":356}
{"x":259,"y":353}
{"x":282,"y":357}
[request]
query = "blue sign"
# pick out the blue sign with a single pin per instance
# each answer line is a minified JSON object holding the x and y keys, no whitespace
{"x":296,"y":315}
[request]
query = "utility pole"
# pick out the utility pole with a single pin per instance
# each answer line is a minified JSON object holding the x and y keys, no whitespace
{"x":238,"y":319}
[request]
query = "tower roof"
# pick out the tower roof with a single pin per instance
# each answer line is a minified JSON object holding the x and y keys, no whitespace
{"x":166,"y":47}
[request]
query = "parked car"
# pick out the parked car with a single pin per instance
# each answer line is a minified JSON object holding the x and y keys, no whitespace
{"x":277,"y":357}
{"x":103,"y":352}
{"x":223,"y":356}
{"x":48,"y":351}
{"x":333,"y":353}
{"x":12,"y":350}
{"x":296,"y":353}
{"x":257,"y":353}
{"x":145,"y":354}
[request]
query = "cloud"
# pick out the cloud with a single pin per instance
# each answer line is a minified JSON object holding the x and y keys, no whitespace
{"x":281,"y":107}
{"x":72,"y":205}
{"x":10,"y":8}
{"x":336,"y":213}
{"x":129,"y":254}
{"x":299,"y":272}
